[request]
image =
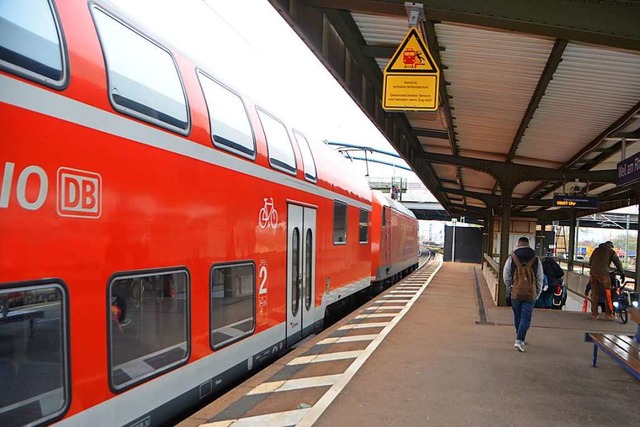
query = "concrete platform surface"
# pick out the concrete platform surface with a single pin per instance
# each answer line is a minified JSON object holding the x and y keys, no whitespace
{"x":439,"y":368}
{"x":441,"y":364}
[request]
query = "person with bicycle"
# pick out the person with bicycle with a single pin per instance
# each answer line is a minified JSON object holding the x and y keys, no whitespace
{"x":599,"y":263}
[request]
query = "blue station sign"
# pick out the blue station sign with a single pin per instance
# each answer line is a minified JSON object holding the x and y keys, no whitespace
{"x":629,"y":170}
{"x":577,"y":202}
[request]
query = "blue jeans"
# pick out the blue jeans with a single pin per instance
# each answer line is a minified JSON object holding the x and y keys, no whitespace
{"x":522,"y":311}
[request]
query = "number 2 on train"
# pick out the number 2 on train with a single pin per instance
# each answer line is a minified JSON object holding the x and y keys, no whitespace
{"x":263,"y":277}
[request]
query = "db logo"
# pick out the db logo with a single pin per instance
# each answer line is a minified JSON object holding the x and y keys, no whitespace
{"x":79,"y":193}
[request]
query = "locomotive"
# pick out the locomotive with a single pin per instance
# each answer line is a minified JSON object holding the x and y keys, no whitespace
{"x":161,"y":233}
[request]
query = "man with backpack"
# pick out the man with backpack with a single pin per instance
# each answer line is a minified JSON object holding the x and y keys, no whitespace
{"x":523,"y":276}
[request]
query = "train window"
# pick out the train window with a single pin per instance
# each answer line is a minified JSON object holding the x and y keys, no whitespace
{"x":143,"y":79}
{"x":307,"y":157}
{"x":230,"y":127}
{"x":364,"y":226}
{"x":33,"y":355}
{"x":30,"y":41}
{"x":148,"y":325}
{"x":384,"y":216}
{"x":278,"y":143}
{"x":232,"y":303}
{"x":339,"y":223}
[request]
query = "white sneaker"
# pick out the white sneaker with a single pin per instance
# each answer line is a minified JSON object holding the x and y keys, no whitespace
{"x":519,"y":345}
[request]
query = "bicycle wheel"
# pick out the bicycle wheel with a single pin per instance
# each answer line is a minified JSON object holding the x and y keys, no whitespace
{"x":263,"y":219}
{"x":624,"y":316}
{"x":273,"y":218}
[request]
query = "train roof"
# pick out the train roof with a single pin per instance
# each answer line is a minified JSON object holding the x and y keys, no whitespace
{"x":393,"y":204}
{"x":337,"y":173}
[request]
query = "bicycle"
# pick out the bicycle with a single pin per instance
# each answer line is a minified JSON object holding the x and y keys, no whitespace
{"x":268,"y":214}
{"x":621,"y":299}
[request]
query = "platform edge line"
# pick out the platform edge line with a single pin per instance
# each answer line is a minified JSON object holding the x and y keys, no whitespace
{"x":321,"y":405}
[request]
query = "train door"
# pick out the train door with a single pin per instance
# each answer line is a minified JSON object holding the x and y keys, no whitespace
{"x":301,"y":265}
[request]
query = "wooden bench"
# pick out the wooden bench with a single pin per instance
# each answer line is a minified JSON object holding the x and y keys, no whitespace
{"x":621,"y":348}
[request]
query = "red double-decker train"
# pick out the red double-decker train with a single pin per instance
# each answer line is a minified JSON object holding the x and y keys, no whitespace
{"x":160,"y":233}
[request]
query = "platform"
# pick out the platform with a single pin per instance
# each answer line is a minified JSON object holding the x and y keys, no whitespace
{"x":444,"y":363}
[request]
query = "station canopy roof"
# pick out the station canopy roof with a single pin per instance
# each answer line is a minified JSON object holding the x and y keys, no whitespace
{"x":534,"y":95}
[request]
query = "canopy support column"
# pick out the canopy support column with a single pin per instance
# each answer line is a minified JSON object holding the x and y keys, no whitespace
{"x":572,"y":238}
{"x":507,"y":193}
{"x":637,"y":274}
{"x":540,"y":238}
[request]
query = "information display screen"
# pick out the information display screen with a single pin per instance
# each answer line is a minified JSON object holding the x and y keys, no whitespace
{"x":578,"y":202}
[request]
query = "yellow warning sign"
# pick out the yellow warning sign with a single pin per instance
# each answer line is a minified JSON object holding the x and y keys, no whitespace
{"x":411,"y":78}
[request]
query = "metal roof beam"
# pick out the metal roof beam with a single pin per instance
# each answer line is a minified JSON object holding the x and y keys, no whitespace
{"x":470,"y":211}
{"x":628,"y":135}
{"x":547,"y":74}
{"x":448,"y":181}
{"x":431,"y":133}
{"x":429,"y":32}
{"x":378,"y":51}
{"x":604,"y":22}
{"x":622,"y":120}
{"x":511,"y":173}
{"x":604,"y":155}
{"x":618,"y":193}
{"x":493,"y":200}
{"x":555,"y":57}
{"x":487,"y":199}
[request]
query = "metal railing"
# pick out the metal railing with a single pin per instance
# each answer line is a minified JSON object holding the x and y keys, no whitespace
{"x":583,"y":268}
{"x":493,"y":264}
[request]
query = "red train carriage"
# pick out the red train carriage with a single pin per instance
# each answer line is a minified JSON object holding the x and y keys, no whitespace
{"x":160,"y":233}
{"x":394,"y":247}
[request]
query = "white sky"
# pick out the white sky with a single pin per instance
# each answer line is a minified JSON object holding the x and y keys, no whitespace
{"x":249,"y":46}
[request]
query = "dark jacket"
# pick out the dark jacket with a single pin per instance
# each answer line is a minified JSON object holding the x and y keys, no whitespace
{"x":601,"y":259}
{"x":525,"y":254}
{"x":552,"y":271}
